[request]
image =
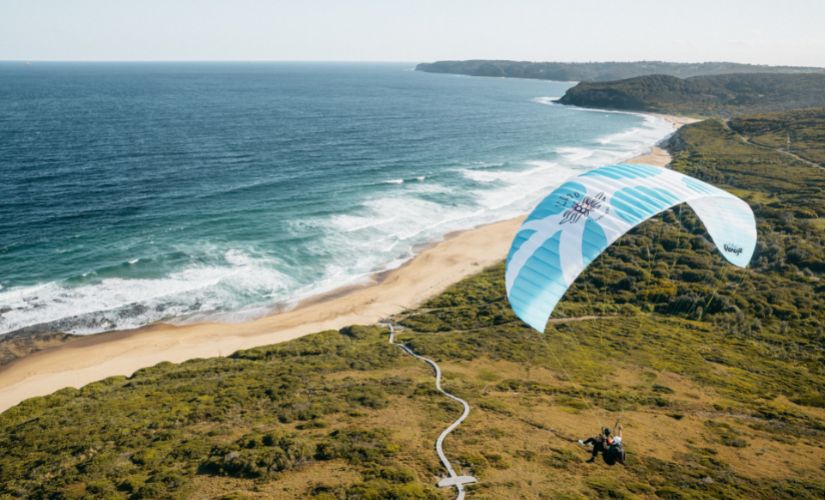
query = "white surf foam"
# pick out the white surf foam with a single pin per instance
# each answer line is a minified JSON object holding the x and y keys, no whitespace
{"x":485,"y":176}
{"x":382,"y":233}
{"x":547,"y":101}
{"x":385,"y":231}
{"x":118,"y":303}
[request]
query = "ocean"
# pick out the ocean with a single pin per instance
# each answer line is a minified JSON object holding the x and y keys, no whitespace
{"x":132,"y":193}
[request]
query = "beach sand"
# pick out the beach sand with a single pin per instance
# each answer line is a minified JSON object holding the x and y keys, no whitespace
{"x":676,"y":121}
{"x":86,"y":359}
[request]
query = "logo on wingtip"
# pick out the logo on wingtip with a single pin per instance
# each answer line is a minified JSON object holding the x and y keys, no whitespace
{"x":731,"y":248}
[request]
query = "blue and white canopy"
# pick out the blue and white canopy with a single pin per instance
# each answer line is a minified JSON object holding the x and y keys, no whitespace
{"x":583,"y":216}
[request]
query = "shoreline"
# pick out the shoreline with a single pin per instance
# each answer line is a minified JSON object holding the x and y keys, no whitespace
{"x":85,"y":359}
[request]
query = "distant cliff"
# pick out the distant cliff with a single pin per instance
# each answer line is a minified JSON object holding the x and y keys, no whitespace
{"x":724,"y":95}
{"x":600,"y":71}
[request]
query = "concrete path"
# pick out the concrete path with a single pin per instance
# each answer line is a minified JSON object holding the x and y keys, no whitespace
{"x":454,"y":479}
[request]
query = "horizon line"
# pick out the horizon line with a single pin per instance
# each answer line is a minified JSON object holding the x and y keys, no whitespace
{"x":199,"y":61}
{"x":386,"y":61}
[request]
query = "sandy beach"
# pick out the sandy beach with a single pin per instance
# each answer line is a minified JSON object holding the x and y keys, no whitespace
{"x":87,"y":359}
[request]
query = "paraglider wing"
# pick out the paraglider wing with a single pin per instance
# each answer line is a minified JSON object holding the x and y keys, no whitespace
{"x":582,"y":217}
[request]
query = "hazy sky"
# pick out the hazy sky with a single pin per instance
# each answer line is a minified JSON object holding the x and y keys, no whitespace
{"x":754,"y":31}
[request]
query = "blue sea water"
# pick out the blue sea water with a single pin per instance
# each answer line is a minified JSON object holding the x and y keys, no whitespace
{"x":133,"y":193}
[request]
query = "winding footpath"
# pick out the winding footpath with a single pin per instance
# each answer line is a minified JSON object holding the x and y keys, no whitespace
{"x":783,"y":151}
{"x":454,"y":479}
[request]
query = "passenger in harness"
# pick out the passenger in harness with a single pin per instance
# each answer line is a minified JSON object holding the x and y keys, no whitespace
{"x":615,"y":449}
{"x":608,"y":443}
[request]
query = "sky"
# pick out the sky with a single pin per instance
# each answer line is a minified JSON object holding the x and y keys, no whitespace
{"x":750,"y":31}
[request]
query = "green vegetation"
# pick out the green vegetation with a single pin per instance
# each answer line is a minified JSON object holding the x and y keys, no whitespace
{"x":253,"y":417}
{"x":717,"y":373}
{"x":800,"y":133}
{"x":599,"y":71}
{"x":714,"y":95}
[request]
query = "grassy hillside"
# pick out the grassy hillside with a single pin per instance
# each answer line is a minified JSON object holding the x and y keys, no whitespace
{"x":717,"y":373}
{"x":599,"y":71}
{"x":799,"y":133}
{"x":724,"y":95}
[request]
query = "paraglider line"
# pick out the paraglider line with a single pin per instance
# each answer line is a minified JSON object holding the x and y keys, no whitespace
{"x":567,"y":376}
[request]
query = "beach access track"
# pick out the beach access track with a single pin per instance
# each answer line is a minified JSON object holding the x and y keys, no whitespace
{"x":454,"y":479}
